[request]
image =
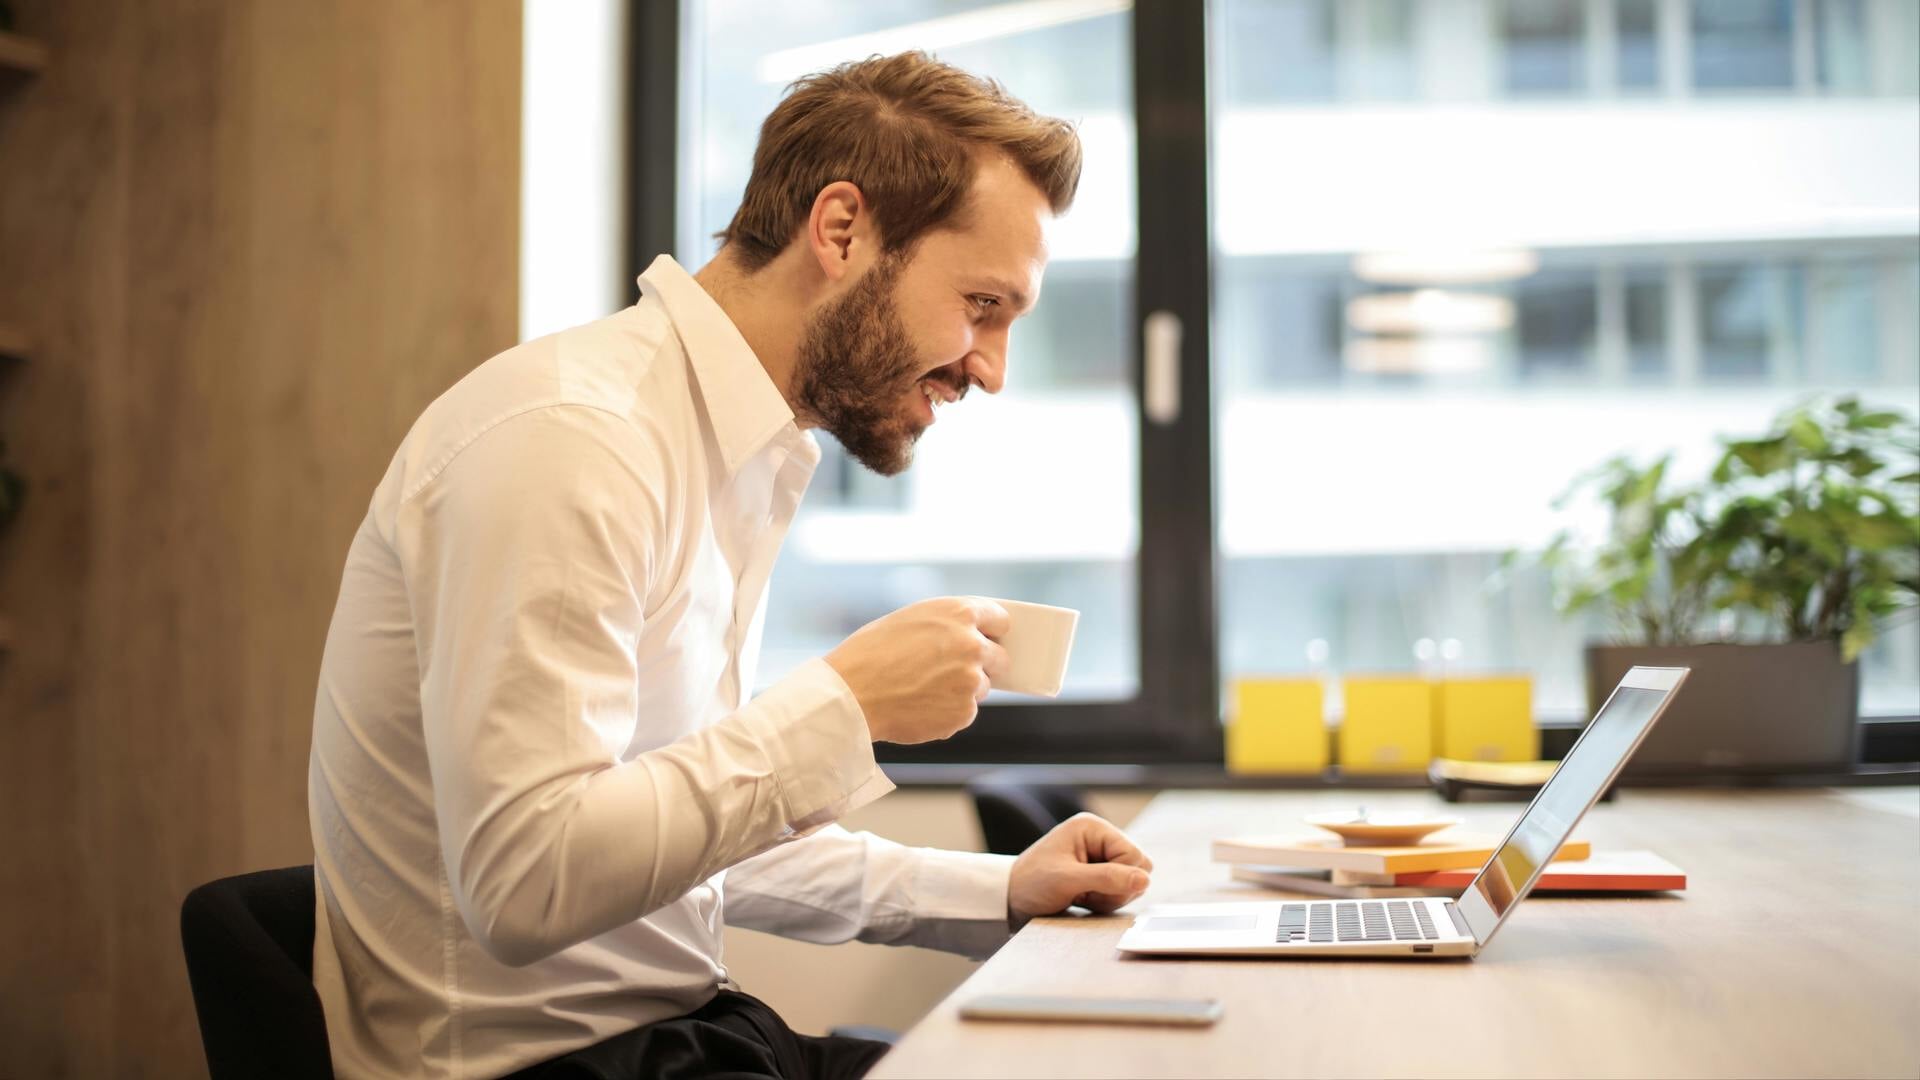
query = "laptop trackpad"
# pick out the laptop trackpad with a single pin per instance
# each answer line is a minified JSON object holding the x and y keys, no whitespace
{"x":1179,"y":923}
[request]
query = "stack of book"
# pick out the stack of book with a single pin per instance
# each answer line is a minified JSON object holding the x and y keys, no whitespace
{"x":1440,"y":867}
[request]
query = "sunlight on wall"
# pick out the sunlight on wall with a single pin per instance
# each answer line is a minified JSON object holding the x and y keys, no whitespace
{"x":572,"y":164}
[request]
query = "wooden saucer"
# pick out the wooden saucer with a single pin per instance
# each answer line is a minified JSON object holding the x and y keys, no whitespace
{"x":1380,"y":830}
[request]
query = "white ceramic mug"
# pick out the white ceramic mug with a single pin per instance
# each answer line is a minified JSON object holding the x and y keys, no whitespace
{"x":1038,"y":639}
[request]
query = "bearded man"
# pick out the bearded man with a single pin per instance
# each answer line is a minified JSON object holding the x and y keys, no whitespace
{"x":538,"y":787}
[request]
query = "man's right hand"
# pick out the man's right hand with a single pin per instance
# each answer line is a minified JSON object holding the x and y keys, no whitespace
{"x":920,"y":673}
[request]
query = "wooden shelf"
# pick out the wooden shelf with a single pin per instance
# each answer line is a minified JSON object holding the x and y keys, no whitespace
{"x":22,"y":53}
{"x":14,"y":342}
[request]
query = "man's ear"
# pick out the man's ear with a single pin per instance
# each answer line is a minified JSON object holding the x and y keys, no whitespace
{"x":840,"y":231}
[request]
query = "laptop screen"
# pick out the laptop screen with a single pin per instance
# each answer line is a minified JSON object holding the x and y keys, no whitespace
{"x":1574,"y":786}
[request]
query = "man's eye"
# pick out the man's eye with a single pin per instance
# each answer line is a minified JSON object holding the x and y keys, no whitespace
{"x":985,"y":302}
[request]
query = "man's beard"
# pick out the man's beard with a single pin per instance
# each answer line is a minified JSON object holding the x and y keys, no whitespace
{"x":855,"y":366}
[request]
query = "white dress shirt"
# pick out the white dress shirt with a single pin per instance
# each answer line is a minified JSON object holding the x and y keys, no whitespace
{"x":537,"y":787}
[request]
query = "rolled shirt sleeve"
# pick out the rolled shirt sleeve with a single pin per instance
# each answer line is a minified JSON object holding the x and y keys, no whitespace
{"x":817,"y":736}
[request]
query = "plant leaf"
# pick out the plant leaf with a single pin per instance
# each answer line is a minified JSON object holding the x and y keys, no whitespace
{"x":1762,"y":457}
{"x":1807,"y":433}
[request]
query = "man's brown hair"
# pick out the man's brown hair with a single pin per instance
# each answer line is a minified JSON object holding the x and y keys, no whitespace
{"x":905,"y":130}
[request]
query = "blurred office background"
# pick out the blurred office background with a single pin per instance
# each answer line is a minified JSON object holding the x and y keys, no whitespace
{"x":1463,"y":250}
{"x":1457,"y":252}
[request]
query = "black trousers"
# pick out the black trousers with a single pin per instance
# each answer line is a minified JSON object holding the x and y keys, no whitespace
{"x":735,"y":1036}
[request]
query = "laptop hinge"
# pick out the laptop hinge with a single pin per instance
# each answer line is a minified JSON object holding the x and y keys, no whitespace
{"x":1459,"y":921}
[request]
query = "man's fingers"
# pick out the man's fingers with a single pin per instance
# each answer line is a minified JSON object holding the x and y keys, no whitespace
{"x":1110,"y":886}
{"x":1124,"y":852}
{"x":1105,"y":843}
{"x":1116,"y":879}
{"x":994,"y":660}
{"x":991,"y":619}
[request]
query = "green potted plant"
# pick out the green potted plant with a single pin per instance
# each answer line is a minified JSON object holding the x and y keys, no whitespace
{"x":1767,"y":578}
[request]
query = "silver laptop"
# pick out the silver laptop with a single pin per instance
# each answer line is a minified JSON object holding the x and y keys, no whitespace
{"x":1427,"y":926}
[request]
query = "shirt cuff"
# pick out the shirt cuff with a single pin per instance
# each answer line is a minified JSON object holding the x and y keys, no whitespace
{"x":960,"y":901}
{"x":815,"y":734}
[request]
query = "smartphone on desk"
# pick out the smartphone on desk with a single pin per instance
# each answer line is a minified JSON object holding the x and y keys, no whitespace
{"x":1183,"y":1012}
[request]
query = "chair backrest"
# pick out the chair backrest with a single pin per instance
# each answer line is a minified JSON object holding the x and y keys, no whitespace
{"x":1018,"y":806}
{"x":249,"y":947}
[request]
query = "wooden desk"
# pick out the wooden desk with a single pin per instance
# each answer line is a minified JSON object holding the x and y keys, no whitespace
{"x":1794,"y":952}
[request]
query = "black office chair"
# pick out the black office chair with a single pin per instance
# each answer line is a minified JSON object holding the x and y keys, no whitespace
{"x":1018,"y":806}
{"x":249,"y":946}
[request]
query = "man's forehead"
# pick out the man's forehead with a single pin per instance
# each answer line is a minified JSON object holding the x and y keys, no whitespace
{"x":1007,"y":258}
{"x":1003,"y":197}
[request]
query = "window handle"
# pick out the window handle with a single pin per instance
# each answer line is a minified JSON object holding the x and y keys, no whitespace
{"x":1161,"y":394}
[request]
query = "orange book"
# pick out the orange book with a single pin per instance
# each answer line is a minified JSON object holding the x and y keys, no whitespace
{"x":1451,"y":853}
{"x":1609,"y":871}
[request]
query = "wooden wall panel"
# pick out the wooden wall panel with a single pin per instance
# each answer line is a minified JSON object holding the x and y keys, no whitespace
{"x":62,"y":218}
{"x":254,"y":240}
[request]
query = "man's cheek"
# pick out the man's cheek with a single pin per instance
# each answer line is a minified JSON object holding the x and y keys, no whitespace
{"x":939,"y":343}
{"x":945,"y":347}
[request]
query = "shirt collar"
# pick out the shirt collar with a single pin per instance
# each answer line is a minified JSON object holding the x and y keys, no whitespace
{"x":747,"y":411}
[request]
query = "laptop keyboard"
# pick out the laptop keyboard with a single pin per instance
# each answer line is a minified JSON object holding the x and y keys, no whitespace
{"x":1356,"y":920}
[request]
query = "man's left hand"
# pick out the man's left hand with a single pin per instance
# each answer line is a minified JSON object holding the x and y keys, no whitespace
{"x":1084,"y":860}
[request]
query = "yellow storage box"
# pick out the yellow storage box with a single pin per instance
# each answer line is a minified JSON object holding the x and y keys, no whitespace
{"x":1388,"y":725}
{"x":1277,"y":725}
{"x":1488,"y":718}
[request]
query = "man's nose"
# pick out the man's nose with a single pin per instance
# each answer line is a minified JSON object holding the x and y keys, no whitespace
{"x":987,"y":365}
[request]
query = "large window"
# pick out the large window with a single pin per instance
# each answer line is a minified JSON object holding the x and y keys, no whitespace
{"x":1430,"y":316}
{"x":1431,"y":259}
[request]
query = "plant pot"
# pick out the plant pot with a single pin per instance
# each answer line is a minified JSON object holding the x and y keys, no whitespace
{"x":1756,"y":708}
